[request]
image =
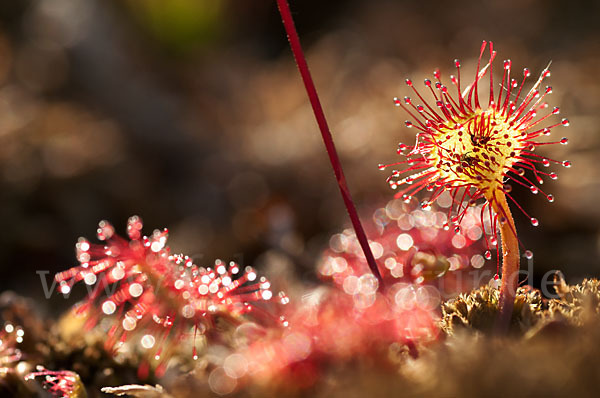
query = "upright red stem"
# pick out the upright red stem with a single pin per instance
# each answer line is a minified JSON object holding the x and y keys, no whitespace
{"x":290,"y":28}
{"x":510,"y":262}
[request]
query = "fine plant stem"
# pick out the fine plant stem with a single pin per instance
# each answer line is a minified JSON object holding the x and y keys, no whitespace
{"x":292,"y":35}
{"x":510,"y":261}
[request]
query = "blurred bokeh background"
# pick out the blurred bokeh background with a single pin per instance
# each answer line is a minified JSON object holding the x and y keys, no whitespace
{"x":190,"y":113}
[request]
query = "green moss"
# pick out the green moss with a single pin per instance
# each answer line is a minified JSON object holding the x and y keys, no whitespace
{"x":478,"y":310}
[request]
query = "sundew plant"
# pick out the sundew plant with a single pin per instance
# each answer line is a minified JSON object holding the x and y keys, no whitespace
{"x":475,"y":149}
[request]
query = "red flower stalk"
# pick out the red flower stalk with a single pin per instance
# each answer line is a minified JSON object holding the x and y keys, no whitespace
{"x":311,"y":91}
{"x":59,"y":383}
{"x":473,"y":150}
{"x":414,"y":245}
{"x":158,"y":297}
